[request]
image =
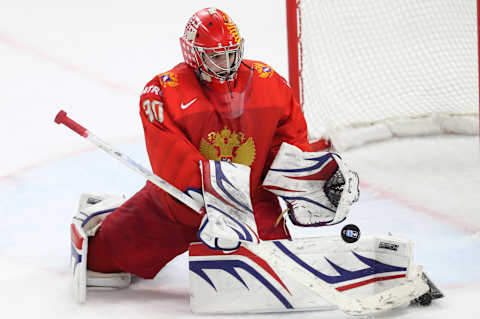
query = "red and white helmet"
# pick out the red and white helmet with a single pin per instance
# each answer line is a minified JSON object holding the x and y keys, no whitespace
{"x":209,"y":34}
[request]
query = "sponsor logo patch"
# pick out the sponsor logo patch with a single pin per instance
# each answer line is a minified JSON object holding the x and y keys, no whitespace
{"x":185,"y":106}
{"x":390,"y":246}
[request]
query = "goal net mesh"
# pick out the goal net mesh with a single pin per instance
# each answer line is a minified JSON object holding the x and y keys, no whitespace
{"x":373,"y":69}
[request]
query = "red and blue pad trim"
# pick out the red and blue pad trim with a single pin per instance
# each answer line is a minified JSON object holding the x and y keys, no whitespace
{"x":261,"y":270}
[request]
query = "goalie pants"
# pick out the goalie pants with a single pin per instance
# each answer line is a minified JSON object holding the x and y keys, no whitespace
{"x":139,"y":238}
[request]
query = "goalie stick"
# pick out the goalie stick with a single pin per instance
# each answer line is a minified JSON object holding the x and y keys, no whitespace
{"x":62,"y":118}
{"x":391,"y":298}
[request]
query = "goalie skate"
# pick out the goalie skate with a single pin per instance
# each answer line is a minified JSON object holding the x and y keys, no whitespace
{"x":92,"y":210}
{"x":432,"y":293}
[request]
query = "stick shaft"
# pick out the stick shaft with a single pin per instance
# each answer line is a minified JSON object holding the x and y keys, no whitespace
{"x":62,"y":118}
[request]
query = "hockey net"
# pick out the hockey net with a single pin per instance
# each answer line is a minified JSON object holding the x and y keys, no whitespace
{"x":369,"y":70}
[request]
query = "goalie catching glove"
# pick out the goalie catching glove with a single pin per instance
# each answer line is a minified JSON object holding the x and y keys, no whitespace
{"x":317,"y":186}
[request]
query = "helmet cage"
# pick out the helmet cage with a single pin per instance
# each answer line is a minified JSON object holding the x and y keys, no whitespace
{"x":233,"y":56}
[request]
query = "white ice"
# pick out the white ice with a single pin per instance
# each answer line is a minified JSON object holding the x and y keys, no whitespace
{"x":92,"y":58}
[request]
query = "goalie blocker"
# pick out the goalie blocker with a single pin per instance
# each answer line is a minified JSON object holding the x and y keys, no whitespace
{"x":372,"y":275}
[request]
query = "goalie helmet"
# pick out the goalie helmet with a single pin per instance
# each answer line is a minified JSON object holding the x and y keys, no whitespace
{"x":212,"y":45}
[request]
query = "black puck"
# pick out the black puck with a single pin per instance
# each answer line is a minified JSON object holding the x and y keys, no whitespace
{"x":350,"y":233}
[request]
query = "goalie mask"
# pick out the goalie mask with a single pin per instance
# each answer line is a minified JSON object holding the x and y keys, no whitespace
{"x":212,"y":45}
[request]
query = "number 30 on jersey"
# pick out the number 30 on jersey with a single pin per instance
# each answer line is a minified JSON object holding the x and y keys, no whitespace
{"x":153,"y":110}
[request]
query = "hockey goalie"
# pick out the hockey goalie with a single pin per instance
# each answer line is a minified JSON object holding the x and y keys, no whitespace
{"x":228,"y":133}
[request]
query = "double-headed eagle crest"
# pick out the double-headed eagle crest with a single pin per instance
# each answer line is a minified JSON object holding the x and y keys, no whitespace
{"x":228,"y":145}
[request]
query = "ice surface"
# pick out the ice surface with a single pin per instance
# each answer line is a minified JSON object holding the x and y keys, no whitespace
{"x":92,"y":58}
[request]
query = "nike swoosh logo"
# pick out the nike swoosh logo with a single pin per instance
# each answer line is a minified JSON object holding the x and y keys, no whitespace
{"x":184,"y":106}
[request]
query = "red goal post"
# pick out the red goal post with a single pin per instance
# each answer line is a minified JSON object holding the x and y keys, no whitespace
{"x":370,"y":70}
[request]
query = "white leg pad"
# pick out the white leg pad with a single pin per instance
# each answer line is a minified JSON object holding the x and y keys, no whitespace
{"x":372,"y":275}
{"x":79,"y":261}
{"x":92,"y":210}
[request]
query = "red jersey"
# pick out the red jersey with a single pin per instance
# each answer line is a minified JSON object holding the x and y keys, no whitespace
{"x":243,"y":121}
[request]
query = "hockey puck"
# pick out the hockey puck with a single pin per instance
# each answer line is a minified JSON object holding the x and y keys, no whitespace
{"x":350,"y":233}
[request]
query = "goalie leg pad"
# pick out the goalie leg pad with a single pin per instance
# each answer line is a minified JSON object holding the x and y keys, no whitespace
{"x":372,"y":275}
{"x":92,"y":210}
{"x":78,"y":261}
